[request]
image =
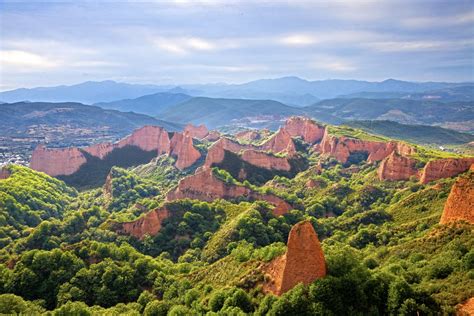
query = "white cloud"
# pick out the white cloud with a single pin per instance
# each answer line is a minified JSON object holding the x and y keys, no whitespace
{"x":18,"y":58}
{"x":200,"y":44}
{"x":169,"y":46}
{"x":438,"y":21}
{"x":420,"y":46}
{"x":332,"y":64}
{"x":298,"y":40}
{"x":186,"y":45}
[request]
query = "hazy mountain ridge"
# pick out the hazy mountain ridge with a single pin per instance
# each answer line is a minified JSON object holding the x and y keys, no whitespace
{"x":152,"y":104}
{"x":291,"y":90}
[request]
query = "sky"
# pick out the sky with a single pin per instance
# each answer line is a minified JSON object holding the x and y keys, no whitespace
{"x":184,"y":41}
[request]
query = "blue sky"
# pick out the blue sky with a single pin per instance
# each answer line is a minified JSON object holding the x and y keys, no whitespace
{"x":172,"y":42}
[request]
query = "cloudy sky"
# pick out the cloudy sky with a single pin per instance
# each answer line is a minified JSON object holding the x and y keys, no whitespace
{"x":172,"y":42}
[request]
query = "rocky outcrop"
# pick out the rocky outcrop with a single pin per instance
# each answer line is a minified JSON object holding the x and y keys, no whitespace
{"x":466,"y":308}
{"x":248,"y":153}
{"x":198,"y":132}
{"x":107,"y":189}
{"x":213,"y":136}
{"x":182,"y":148}
{"x":205,"y":186}
{"x":264,"y":160}
{"x":280,"y":142}
{"x":4,"y":173}
{"x":303,"y":261}
{"x":216,"y":152}
{"x":397,"y":167}
{"x":248,"y":136}
{"x":149,"y":224}
{"x":57,"y":161}
{"x":66,"y":161}
{"x":304,"y":127}
{"x":445,"y":168}
{"x":460,"y":202}
{"x":148,"y":138}
{"x":341,"y":147}
{"x":100,"y":150}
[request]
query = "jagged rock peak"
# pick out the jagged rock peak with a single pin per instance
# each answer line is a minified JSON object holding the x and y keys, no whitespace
{"x":304,"y":127}
{"x":303,"y":261}
{"x":198,"y":132}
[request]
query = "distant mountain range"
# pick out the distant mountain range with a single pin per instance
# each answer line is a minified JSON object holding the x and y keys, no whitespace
{"x":88,"y":92}
{"x":450,"y":94}
{"x":289,"y":90}
{"x":18,"y":118}
{"x":152,"y":104}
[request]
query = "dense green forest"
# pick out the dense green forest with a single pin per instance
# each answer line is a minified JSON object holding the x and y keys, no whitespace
{"x":386,"y":253}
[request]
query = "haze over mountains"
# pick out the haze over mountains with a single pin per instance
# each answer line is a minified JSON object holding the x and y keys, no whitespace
{"x":288,"y":90}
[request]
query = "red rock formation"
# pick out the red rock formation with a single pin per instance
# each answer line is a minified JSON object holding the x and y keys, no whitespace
{"x":148,"y":138}
{"x":204,"y":186}
{"x":341,"y":148}
{"x":149,"y":224}
{"x":460,"y":202}
{"x":396,"y":167}
{"x":57,"y":161}
{"x":66,"y":161}
{"x":216,"y":152}
{"x":198,"y":132}
{"x":100,"y":150}
{"x":4,"y":173}
{"x":445,"y":168}
{"x":248,"y":153}
{"x":248,"y":135}
{"x":213,"y":136}
{"x":280,"y":142}
{"x":466,"y":308}
{"x":182,"y":148}
{"x":264,"y":160}
{"x":304,"y":127}
{"x":303,"y":261}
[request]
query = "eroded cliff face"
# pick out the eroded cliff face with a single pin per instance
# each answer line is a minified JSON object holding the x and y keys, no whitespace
{"x":148,"y":138}
{"x":198,"y":132}
{"x":248,"y":153}
{"x":216,"y":152}
{"x":66,"y":161}
{"x":303,"y":261}
{"x":341,"y":147}
{"x":460,"y":202}
{"x":149,"y":224}
{"x":100,"y":150}
{"x":280,"y":142}
{"x":57,"y":161}
{"x":264,"y":160}
{"x":444,"y":168}
{"x":204,"y":186}
{"x":182,"y":148}
{"x":213,"y":136}
{"x":466,"y":308}
{"x":248,"y":135}
{"x":397,"y":167}
{"x":304,"y":127}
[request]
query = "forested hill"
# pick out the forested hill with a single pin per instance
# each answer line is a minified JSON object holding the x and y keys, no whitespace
{"x":266,"y":223}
